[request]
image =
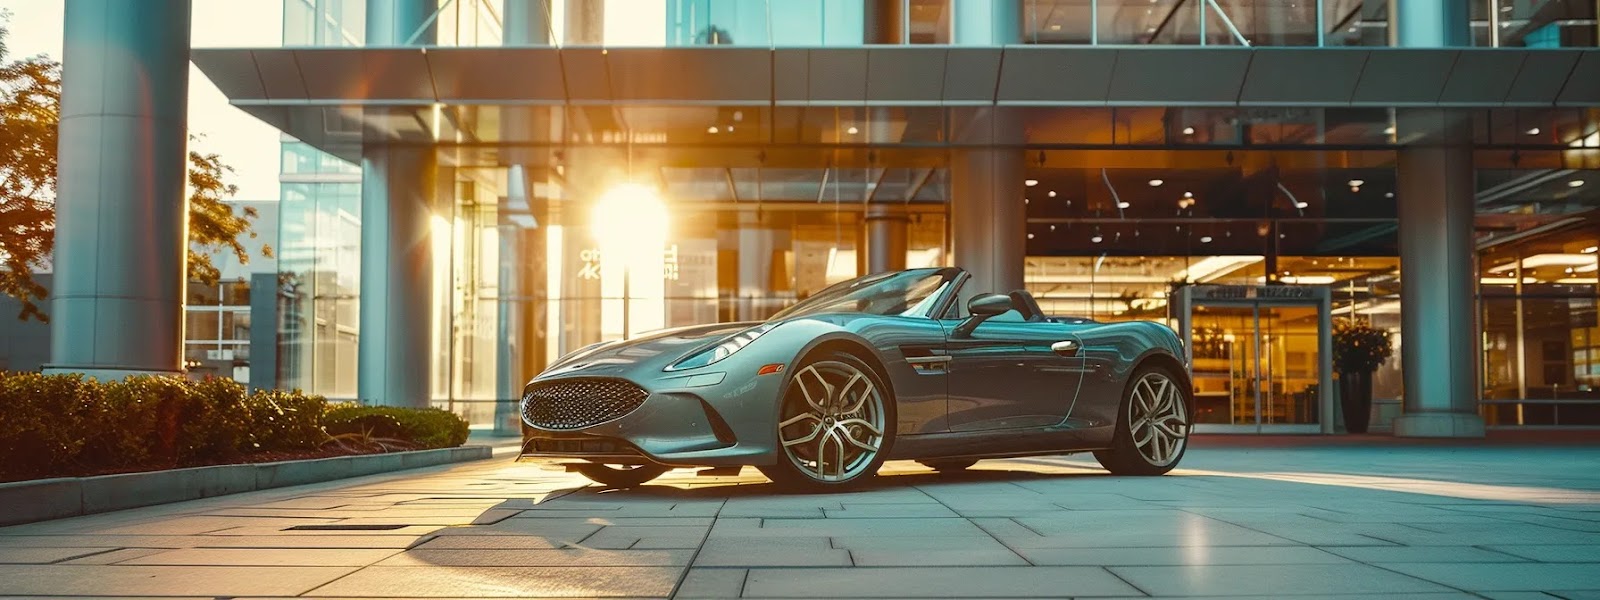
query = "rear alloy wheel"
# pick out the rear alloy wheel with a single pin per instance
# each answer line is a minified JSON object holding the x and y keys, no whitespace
{"x":948,"y":466}
{"x":620,"y":476}
{"x":835,"y":425}
{"x":1152,"y":425}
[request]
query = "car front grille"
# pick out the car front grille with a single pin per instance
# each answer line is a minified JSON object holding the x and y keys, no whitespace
{"x":569,"y":404}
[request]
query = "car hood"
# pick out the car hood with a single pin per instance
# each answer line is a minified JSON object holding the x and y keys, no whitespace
{"x":653,"y":350}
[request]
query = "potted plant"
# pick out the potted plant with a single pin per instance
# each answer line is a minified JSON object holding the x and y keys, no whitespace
{"x":1358,"y":350}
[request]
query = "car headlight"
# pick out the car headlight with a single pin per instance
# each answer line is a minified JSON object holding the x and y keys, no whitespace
{"x":723,"y":350}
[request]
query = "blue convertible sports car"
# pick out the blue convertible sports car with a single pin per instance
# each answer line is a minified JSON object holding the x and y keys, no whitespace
{"x":888,"y":366}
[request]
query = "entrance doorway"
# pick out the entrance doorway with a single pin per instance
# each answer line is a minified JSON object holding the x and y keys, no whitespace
{"x":1260,"y":357}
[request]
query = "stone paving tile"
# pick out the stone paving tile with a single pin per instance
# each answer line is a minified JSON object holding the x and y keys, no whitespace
{"x":114,"y":556}
{"x":540,"y":557}
{"x":845,"y":527}
{"x":936,"y":557}
{"x":1506,"y":576}
{"x":764,"y":552}
{"x":889,"y":511}
{"x":712,"y":583}
{"x":71,"y":580}
{"x":220,"y":541}
{"x":1184,"y":555}
{"x":1270,"y":580}
{"x":42,"y":556}
{"x":264,"y":557}
{"x":965,"y":582}
{"x":517,"y":582}
{"x":1553,"y":553}
{"x":980,"y":544}
{"x":1423,"y":554}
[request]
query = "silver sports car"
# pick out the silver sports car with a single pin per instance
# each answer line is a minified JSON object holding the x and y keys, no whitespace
{"x":887,"y":366}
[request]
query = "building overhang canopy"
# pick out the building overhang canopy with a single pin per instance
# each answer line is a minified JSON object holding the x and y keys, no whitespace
{"x":339,"y":99}
{"x":910,"y":76}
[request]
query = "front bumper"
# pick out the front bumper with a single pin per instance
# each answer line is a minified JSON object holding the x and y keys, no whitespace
{"x":681,"y":423}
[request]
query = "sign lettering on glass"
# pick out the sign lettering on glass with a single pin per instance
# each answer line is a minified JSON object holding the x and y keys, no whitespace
{"x":591,"y":264}
{"x":669,"y":266}
{"x":1239,"y":292}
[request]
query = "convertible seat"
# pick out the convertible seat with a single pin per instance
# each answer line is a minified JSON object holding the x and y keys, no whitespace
{"x":1025,"y":304}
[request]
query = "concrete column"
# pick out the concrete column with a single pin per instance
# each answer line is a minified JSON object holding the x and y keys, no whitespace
{"x":398,"y":187}
{"x":885,"y":22}
{"x":1429,"y":23}
{"x":121,"y":214}
{"x":526,"y":23}
{"x":756,"y":244}
{"x":395,"y":348}
{"x":1439,"y":323}
{"x":394,"y":22}
{"x":987,"y":22}
{"x":886,"y":238}
{"x":586,"y":23}
{"x":988,"y":219}
{"x":1435,"y":192}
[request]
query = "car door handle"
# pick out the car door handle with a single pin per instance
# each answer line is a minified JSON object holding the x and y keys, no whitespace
{"x":1065,"y":347}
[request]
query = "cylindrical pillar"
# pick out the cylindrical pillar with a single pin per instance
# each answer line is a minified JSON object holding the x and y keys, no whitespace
{"x":1435,"y":195}
{"x":885,"y":21}
{"x":1439,"y":322}
{"x":886,"y":238}
{"x":397,"y":203}
{"x":397,"y":189}
{"x":988,"y":219}
{"x":526,"y":23}
{"x":586,"y":23}
{"x":1430,"y":23}
{"x":987,"y":22}
{"x":402,"y":22}
{"x":121,"y":241}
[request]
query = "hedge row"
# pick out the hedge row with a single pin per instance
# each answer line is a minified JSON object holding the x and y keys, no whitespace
{"x":63,"y":425}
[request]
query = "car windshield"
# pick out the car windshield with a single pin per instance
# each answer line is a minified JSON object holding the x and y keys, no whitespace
{"x":898,"y":293}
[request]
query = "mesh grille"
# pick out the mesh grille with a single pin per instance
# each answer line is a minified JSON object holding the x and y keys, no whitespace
{"x":578,"y":403}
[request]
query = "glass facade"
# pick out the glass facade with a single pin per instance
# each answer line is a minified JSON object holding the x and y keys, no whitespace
{"x":765,"y":205}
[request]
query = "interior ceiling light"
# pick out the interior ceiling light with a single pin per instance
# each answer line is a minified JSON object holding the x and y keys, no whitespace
{"x":1123,"y":205}
{"x":1030,"y":182}
{"x":1355,"y":183}
{"x":1302,"y":204}
{"x":1205,"y":239}
{"x":1533,"y":131}
{"x":711,"y":129}
{"x":1097,"y":238}
{"x":1388,"y":130}
{"x":1030,"y":236}
{"x":1188,"y":194}
{"x":1548,"y":260}
{"x":1156,"y":182}
{"x":1052,"y":193}
{"x":1575,"y":183}
{"x":1591,"y":249}
{"x":1188,"y":131}
{"x":1389,"y":195}
{"x":852,"y":130}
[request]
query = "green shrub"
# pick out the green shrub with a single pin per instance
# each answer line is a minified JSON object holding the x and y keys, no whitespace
{"x":424,"y":427}
{"x":42,"y":420}
{"x":282,"y":420}
{"x":63,"y":425}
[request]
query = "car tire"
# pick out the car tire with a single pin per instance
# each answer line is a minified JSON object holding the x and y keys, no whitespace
{"x":949,"y":466}
{"x":1144,"y":443}
{"x":620,"y":476}
{"x":804,"y":438}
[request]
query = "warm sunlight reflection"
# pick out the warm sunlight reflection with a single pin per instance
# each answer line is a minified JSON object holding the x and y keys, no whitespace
{"x":630,"y":224}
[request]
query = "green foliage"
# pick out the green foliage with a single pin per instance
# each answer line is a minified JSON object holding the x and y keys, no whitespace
{"x":30,"y":115}
{"x":1358,"y":347}
{"x":428,"y":427}
{"x":61,"y":425}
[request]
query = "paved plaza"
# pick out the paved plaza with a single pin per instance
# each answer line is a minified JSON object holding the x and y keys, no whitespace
{"x":1241,"y":518}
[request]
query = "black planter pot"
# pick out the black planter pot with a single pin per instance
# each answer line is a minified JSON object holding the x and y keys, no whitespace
{"x":1355,"y":398}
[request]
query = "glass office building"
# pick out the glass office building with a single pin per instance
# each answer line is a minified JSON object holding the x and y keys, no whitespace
{"x":468,"y":184}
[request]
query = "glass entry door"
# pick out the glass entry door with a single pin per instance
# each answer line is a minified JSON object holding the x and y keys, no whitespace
{"x":1259,"y":362}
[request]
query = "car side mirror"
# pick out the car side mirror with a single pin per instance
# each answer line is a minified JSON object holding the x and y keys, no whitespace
{"x":981,"y":308}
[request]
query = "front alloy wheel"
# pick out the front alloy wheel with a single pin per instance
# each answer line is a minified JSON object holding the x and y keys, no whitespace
{"x":1152,"y":426}
{"x":834,"y":426}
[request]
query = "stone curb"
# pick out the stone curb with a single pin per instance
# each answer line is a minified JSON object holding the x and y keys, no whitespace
{"x":45,"y":499}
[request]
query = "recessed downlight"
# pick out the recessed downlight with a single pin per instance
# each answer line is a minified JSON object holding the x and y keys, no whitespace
{"x":1156,"y":182}
{"x":1030,"y":182}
